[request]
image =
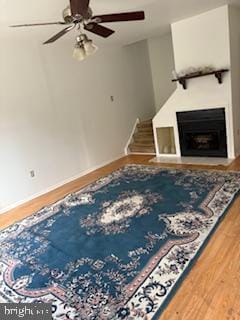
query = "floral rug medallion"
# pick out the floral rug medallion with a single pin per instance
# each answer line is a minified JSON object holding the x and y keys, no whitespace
{"x":118,"y":248}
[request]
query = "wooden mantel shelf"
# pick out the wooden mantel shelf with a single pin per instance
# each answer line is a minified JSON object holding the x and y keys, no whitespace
{"x":217,"y":73}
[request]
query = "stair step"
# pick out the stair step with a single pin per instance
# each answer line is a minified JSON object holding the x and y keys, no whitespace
{"x":143,"y":139}
{"x":143,"y":144}
{"x":141,"y":149}
{"x":144,"y":125}
{"x":147,"y":134}
{"x":147,"y":121}
{"x":145,"y":129}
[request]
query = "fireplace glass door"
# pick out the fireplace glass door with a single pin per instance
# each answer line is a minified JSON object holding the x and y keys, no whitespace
{"x":203,"y":133}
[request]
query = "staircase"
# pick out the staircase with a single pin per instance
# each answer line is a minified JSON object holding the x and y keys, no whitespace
{"x":143,"y":140}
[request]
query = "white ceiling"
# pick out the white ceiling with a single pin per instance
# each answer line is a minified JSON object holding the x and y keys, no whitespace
{"x":159,"y":15}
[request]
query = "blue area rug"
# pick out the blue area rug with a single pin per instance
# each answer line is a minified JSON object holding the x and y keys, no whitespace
{"x":118,"y":248}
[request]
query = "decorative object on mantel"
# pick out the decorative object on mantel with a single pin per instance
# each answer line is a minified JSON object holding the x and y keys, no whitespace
{"x":191,"y":73}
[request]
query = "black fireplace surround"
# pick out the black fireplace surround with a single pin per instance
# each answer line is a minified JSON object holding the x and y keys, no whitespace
{"x":202,"y":133}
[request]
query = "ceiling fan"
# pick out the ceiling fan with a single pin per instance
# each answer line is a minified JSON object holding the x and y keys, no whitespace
{"x":79,"y":14}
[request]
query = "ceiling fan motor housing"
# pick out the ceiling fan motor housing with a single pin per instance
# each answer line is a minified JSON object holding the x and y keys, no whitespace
{"x":69,"y":18}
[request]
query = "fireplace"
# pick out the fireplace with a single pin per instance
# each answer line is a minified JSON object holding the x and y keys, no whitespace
{"x":202,"y":133}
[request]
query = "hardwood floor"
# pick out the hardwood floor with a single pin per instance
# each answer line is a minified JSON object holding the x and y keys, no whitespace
{"x":212,"y":289}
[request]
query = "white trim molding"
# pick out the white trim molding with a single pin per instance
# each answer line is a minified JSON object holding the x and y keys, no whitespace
{"x":131,"y":136}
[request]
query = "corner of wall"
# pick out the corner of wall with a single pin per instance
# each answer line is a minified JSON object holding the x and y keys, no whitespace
{"x":234,"y":44}
{"x":162,"y":64}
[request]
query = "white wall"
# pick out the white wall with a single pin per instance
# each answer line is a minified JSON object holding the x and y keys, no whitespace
{"x":162,"y":65}
{"x":56,"y":116}
{"x":199,"y":41}
{"x":202,"y":39}
{"x":234,"y":19}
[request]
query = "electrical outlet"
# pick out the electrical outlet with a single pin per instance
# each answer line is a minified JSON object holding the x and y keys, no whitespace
{"x":32,"y":173}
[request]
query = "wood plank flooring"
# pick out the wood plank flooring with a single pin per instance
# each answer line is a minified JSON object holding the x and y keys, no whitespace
{"x":212,"y":289}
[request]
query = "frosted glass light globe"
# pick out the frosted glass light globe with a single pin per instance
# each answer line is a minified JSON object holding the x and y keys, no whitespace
{"x":90,"y":48}
{"x":79,"y":53}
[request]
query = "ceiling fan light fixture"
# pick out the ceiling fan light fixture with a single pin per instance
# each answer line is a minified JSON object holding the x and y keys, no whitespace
{"x":89,"y":47}
{"x":84,"y":47}
{"x":78,"y":14}
{"x":79,"y":52}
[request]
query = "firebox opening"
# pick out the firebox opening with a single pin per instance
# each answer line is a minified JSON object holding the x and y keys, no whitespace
{"x":203,"y":133}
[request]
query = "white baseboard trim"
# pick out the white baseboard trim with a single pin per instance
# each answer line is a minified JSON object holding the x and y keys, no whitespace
{"x":58,"y":185}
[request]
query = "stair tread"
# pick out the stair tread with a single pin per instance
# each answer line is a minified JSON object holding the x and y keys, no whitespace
{"x":142,"y":144}
{"x":142,"y":150}
{"x":146,"y":121}
{"x":145,"y":125}
{"x":144,"y":140}
{"x":145,"y":129}
{"x":144,"y":133}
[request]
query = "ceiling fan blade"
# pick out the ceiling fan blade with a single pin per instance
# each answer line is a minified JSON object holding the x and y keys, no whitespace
{"x":37,"y":24}
{"x":59,"y":34}
{"x":99,"y":30}
{"x":125,"y":16}
{"x":79,"y":7}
